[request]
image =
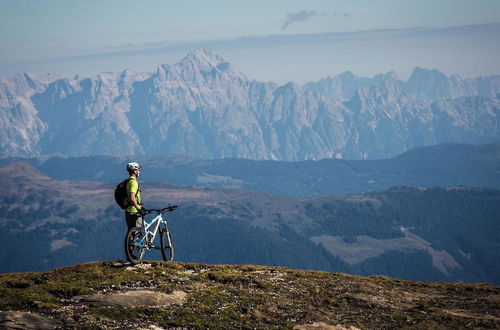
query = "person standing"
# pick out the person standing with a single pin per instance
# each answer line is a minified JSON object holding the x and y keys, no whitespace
{"x":135,"y":211}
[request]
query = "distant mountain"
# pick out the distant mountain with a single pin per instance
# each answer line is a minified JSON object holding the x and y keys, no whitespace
{"x":430,"y":84}
{"x":436,"y":85}
{"x":344,"y":86}
{"x":407,"y":232}
{"x":205,"y":108}
{"x":441,"y":165}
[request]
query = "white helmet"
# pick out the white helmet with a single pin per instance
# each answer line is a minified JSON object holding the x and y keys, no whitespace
{"x":133,"y":166}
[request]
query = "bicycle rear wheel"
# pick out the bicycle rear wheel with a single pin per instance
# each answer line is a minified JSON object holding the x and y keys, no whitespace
{"x":167,"y":245}
{"x":134,"y":251}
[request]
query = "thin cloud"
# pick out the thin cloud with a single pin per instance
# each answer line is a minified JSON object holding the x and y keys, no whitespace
{"x":300,"y":16}
{"x":304,"y":15}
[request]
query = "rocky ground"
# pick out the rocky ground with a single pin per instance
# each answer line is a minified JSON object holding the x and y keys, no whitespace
{"x":158,"y":295}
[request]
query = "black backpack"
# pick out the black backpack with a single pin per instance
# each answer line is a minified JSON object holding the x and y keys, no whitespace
{"x":121,"y":196}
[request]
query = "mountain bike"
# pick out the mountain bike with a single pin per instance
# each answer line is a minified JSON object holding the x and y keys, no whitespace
{"x":140,"y":239}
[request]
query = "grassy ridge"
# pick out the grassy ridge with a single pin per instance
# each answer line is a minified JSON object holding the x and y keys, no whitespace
{"x":246,"y":296}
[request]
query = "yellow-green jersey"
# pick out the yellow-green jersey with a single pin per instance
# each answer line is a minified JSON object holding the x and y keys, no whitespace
{"x":133,"y":186}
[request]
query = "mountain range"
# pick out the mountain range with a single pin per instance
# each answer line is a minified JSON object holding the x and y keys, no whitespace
{"x":447,"y":234}
{"x":205,"y":108}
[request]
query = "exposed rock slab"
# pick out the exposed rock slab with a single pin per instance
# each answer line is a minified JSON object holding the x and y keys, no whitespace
{"x":323,"y":326}
{"x":134,"y":298}
{"x":24,"y":320}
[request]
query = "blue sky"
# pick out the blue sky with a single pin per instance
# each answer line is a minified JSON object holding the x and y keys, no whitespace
{"x":282,"y":41}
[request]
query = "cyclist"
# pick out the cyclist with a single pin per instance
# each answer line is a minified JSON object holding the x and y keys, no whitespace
{"x":135,"y":212}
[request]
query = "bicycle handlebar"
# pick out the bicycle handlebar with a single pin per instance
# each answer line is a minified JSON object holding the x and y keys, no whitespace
{"x":165,"y":209}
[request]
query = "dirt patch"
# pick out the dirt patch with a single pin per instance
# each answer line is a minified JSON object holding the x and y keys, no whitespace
{"x":133,"y":298}
{"x":23,"y":320}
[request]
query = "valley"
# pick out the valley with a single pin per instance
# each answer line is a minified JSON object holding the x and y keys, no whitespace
{"x":407,"y":232}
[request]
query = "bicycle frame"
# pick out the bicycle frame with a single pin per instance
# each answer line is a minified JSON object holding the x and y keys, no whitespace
{"x":149,"y":235}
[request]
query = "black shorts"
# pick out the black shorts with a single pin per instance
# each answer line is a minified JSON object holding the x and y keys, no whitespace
{"x":133,"y":219}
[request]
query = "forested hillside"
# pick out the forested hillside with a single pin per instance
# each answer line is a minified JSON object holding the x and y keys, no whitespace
{"x":407,"y":232}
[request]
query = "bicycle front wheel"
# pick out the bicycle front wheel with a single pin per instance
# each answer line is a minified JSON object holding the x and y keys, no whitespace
{"x":167,"y":246}
{"x":133,"y":250}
